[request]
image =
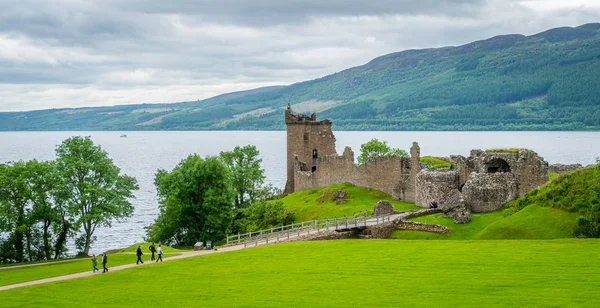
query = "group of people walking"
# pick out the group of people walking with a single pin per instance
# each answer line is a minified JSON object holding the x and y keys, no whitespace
{"x":153,"y":249}
{"x":104,"y":261}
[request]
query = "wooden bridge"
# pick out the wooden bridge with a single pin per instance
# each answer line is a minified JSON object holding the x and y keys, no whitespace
{"x":357,"y":222}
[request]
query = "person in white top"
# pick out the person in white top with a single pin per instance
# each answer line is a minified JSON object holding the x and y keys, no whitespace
{"x":159,"y":251}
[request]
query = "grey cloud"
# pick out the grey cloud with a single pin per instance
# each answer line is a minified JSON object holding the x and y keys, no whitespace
{"x":81,"y":53}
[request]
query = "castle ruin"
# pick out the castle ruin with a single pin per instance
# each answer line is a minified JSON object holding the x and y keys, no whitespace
{"x":483,"y":181}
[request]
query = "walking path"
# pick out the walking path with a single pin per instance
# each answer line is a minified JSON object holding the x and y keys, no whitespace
{"x":120,"y":267}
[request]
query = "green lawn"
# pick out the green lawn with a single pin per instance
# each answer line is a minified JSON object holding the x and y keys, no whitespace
{"x":354,"y":273}
{"x":18,"y":275}
{"x":166,"y":249}
{"x":38,"y":262}
{"x":317,"y":203}
{"x":532,"y":222}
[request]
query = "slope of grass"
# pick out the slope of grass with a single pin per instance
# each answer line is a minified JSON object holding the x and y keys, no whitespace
{"x":572,"y":191}
{"x":18,"y":275}
{"x":479,"y":221}
{"x":533,"y":222}
{"x":435,"y":162}
{"x":38,"y":262}
{"x":318,"y":204}
{"x":370,"y":273}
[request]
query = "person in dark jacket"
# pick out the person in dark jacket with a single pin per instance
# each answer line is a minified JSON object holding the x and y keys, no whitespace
{"x":139,"y":254}
{"x":94,"y":264}
{"x":104,"y":261}
{"x":152,"y":250}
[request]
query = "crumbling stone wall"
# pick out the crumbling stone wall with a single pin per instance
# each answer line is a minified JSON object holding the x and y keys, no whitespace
{"x":529,"y":169}
{"x":486,"y":192}
{"x":391,"y":175}
{"x":560,"y":168}
{"x":434,"y":185}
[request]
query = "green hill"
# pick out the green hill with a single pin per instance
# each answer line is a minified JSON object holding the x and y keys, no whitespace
{"x":547,"y":81}
{"x":311,"y":204}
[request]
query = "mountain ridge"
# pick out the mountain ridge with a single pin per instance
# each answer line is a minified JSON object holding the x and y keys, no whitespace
{"x":545,"y":81}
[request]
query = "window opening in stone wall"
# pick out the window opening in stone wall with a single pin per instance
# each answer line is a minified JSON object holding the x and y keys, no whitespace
{"x":497,"y":165}
{"x":315,"y":154}
{"x":314,"y":168}
{"x":305,"y":137}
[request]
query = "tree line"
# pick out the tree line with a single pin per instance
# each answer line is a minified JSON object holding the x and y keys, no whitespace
{"x":43,"y":204}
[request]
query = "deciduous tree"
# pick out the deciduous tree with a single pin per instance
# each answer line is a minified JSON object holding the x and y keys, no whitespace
{"x":247,"y":176}
{"x":95,"y":191}
{"x":196,"y":202}
{"x":376,"y":148}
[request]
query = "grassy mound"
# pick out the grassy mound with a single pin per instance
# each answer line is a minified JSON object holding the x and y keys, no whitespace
{"x":572,"y":191}
{"x":375,"y":273}
{"x":435,"y":162}
{"x":318,"y":203}
{"x":533,"y":222}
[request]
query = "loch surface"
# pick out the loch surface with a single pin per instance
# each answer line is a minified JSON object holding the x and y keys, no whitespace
{"x":140,"y":154}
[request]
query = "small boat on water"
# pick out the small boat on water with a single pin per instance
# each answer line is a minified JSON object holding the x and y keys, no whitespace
{"x":123,"y":136}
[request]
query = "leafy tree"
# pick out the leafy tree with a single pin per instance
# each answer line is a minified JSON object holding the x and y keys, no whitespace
{"x":14,"y":196}
{"x":196,"y":202}
{"x":246,"y":173}
{"x":263,"y":215}
{"x":376,"y":148}
{"x":42,"y":181}
{"x":93,"y":188}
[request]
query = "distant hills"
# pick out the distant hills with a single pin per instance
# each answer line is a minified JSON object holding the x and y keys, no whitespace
{"x":546,"y":81}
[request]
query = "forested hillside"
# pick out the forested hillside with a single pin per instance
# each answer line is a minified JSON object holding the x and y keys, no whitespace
{"x":547,"y":81}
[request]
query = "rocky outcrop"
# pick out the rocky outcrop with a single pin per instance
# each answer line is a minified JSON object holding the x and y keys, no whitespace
{"x":434,"y":185}
{"x":486,"y":192}
{"x":383,"y":207}
{"x":339,"y":195}
{"x":560,"y":168}
{"x":455,"y":207}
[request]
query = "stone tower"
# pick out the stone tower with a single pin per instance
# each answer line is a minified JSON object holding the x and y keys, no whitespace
{"x":307,"y":139}
{"x":415,"y":168}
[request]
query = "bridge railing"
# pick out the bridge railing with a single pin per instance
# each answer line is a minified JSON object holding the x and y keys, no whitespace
{"x":356,"y":220}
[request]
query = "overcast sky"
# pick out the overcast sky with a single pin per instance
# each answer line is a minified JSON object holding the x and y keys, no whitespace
{"x":76,"y":53}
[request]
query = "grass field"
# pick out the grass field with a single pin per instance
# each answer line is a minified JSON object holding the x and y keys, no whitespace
{"x":18,"y":275}
{"x":166,"y":249}
{"x":365,"y":273}
{"x":317,"y":203}
{"x":532,"y":222}
{"x":38,"y":262}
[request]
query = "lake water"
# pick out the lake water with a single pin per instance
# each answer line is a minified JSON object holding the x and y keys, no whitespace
{"x":142,"y":153}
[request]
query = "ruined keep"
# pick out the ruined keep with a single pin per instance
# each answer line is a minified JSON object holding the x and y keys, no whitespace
{"x":485,"y":179}
{"x":313,"y":162}
{"x":482,"y":182}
